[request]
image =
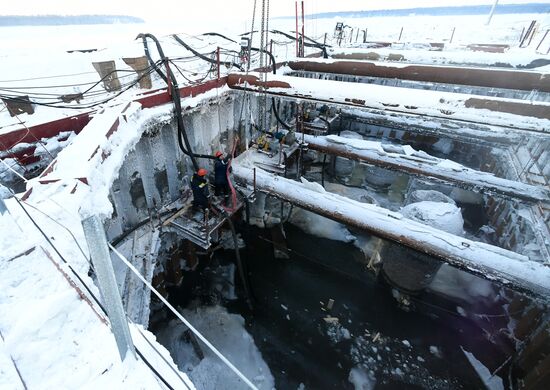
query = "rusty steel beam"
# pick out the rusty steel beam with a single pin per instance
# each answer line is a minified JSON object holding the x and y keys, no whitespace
{"x":490,"y":78}
{"x":373,"y":153}
{"x":507,"y":114}
{"x":490,"y":262}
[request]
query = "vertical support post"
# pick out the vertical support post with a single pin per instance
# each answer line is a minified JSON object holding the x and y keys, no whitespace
{"x":351,"y":36}
{"x":400,"y":34}
{"x":452,"y":35}
{"x":99,"y":252}
{"x":297,"y":48}
{"x":542,"y":40}
{"x":325,"y":40}
{"x":357,"y":36}
{"x":168,"y":78}
{"x":492,"y":12}
{"x":218,"y":61}
{"x":521,"y":36}
{"x":365,"y":35}
{"x":303,"y":30}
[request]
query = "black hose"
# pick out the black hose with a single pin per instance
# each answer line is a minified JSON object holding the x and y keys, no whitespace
{"x":203,"y":57}
{"x":220,"y":35}
{"x":176,"y":98}
{"x":276,"y":112}
{"x":240,"y":264}
{"x":273,"y":64}
{"x":316,"y":44}
{"x":148,"y":55}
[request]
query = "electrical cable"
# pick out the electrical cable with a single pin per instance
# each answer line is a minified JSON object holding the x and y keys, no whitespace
{"x":203,"y":57}
{"x":86,"y":287}
{"x":79,"y":107}
{"x":176,"y":98}
{"x":144,"y":359}
{"x":182,"y":319}
{"x":220,"y":35}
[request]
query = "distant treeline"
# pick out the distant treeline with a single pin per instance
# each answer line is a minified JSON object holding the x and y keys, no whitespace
{"x":59,"y":20}
{"x":531,"y":8}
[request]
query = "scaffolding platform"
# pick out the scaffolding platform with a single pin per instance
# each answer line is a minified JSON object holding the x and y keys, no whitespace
{"x":198,"y":227}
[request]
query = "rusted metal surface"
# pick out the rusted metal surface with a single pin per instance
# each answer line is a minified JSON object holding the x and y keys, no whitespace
{"x":430,"y":104}
{"x":140,"y":65}
{"x":108,"y":74}
{"x":491,"y":78}
{"x":415,"y":165}
{"x":488,"y":47}
{"x":523,"y":109}
{"x":484,"y":260}
{"x":19,"y":105}
{"x":235,"y":80}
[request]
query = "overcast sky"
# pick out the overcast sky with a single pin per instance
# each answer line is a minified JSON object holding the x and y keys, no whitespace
{"x":218,"y":9}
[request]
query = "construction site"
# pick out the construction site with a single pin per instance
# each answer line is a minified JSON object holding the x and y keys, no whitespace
{"x":386,"y":223}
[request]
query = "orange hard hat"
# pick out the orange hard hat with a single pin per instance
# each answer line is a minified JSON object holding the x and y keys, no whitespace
{"x":218,"y":154}
{"x":202,"y":172}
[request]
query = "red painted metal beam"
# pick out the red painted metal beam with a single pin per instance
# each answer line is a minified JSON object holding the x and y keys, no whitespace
{"x":77,"y":122}
{"x":490,"y":78}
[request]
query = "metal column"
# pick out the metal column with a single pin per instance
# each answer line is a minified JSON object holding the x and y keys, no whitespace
{"x":99,"y":252}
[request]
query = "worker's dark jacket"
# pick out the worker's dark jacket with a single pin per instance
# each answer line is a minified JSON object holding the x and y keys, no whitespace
{"x":220,"y":169}
{"x":199,"y":186}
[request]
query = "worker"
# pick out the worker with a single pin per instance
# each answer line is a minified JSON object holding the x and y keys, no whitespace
{"x":199,"y":186}
{"x":221,"y":183}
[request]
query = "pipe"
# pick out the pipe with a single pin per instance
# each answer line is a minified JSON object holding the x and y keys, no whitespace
{"x":240,"y":264}
{"x":490,"y":78}
{"x":433,"y":168}
{"x":490,"y":262}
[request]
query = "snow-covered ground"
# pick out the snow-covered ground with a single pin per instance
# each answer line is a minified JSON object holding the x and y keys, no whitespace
{"x":48,"y":328}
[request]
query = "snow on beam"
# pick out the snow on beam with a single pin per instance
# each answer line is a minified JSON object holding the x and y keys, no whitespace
{"x":507,"y":113}
{"x":490,"y":78}
{"x":488,"y":261}
{"x":406,"y":159}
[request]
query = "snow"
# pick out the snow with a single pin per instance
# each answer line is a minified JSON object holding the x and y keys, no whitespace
{"x":443,"y":216}
{"x":452,"y":106}
{"x":57,"y":331}
{"x":412,"y":161}
{"x":227,"y":333}
{"x":319,"y":226}
{"x":361,"y":379}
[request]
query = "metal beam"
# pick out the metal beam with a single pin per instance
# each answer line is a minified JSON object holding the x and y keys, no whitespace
{"x":373,"y":153}
{"x":485,"y":260}
{"x":99,"y":252}
{"x":508,"y":114}
{"x":490,"y":78}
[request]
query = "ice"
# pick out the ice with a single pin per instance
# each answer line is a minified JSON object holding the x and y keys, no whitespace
{"x":227,"y":333}
{"x":361,"y":379}
{"x":492,"y":382}
{"x":444,"y":216}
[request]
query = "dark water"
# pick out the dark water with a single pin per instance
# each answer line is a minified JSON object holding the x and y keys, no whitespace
{"x":367,"y":328}
{"x":413,"y":349}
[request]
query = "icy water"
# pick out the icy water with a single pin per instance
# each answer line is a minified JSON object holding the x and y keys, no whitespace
{"x":366,"y":338}
{"x":387,"y":347}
